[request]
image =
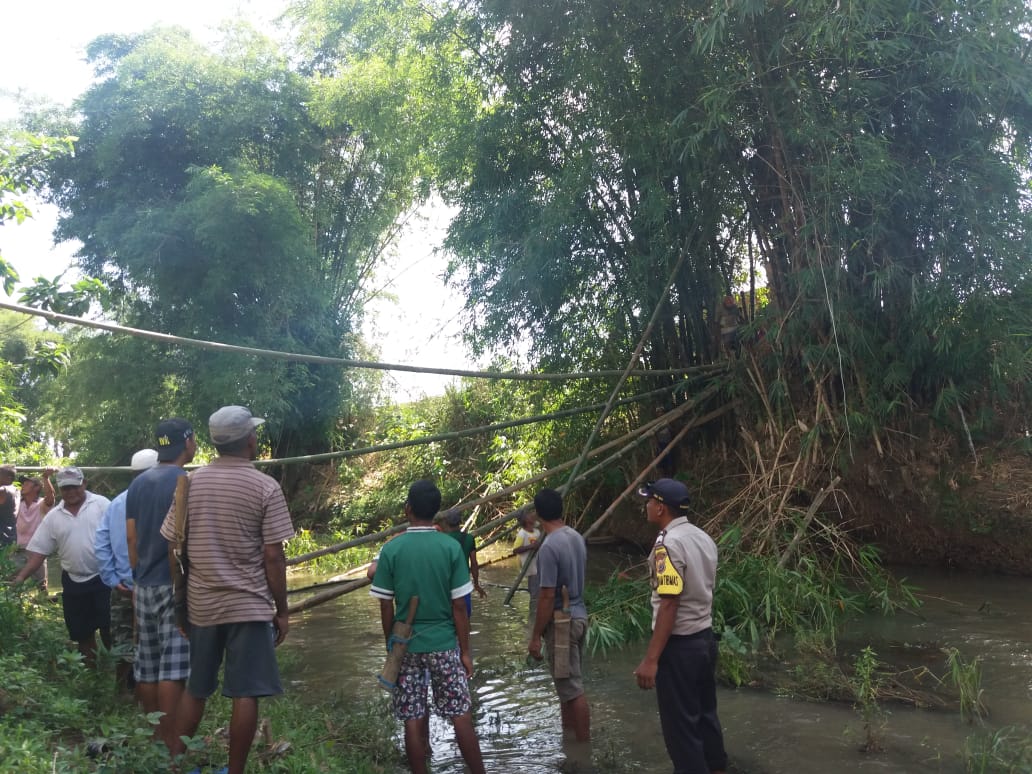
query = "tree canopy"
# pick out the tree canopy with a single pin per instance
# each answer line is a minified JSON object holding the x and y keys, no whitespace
{"x":216,"y":202}
{"x":871,"y":160}
{"x":866,"y":166}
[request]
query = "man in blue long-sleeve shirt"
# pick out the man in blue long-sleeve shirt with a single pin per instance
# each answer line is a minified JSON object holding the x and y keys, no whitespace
{"x":112,"y":552}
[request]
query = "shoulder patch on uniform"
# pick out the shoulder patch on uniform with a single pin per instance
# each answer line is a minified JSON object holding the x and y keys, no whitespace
{"x":668,"y":581}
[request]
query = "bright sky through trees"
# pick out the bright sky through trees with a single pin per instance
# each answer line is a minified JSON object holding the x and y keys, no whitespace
{"x":42,"y":56}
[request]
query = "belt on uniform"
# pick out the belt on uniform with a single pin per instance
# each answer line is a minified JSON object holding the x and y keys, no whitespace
{"x":706,"y":633}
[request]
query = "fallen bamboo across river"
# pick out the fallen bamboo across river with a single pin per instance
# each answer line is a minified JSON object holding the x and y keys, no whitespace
{"x":383,"y":534}
{"x":629,"y":440}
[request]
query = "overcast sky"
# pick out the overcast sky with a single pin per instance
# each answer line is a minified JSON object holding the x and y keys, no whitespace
{"x":42,"y":54}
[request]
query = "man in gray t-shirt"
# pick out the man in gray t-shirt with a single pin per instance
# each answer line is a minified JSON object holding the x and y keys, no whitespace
{"x":562,"y":559}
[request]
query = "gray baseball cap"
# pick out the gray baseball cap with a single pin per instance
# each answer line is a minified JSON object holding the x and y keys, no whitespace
{"x":231,"y":423}
{"x":70,"y":476}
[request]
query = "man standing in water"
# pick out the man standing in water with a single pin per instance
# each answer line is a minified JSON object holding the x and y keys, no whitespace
{"x":451,"y":524}
{"x":562,"y":560}
{"x":681,"y":659}
{"x":425,"y":563}
{"x":237,"y":520}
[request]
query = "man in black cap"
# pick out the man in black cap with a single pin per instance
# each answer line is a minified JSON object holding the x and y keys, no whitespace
{"x":681,"y":659}
{"x":162,"y":660}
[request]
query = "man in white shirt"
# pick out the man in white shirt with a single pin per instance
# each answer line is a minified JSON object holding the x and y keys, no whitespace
{"x":70,"y":529}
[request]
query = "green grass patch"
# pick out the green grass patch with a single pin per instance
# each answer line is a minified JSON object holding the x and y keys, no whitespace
{"x":59,"y":717}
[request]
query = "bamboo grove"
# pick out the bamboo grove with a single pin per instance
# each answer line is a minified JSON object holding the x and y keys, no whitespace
{"x":855,"y":173}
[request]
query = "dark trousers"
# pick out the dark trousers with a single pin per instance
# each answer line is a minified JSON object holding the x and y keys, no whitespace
{"x":686,"y":689}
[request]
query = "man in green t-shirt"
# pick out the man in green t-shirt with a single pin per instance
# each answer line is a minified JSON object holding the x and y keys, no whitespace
{"x":428,"y":564}
{"x":451,"y":525}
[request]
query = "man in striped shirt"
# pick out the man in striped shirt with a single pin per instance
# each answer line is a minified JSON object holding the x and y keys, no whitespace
{"x":237,"y":520}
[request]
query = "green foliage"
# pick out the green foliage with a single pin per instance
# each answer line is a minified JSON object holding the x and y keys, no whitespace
{"x":467,"y":467}
{"x":215,"y":201}
{"x":620,"y":612}
{"x":755,"y":601}
{"x":305,"y":541}
{"x":29,"y":360}
{"x":966,"y":678}
{"x":855,"y":155}
{"x":758,"y":600}
{"x":1003,"y":751}
{"x":23,"y":159}
{"x":867,"y":684}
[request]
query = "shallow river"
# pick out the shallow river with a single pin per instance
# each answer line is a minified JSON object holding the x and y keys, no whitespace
{"x":339,"y":648}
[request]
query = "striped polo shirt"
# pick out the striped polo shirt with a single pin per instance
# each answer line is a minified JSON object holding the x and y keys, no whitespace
{"x":233,"y":511}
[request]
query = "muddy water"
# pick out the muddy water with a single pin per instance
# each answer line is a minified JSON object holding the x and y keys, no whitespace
{"x":338,"y":649}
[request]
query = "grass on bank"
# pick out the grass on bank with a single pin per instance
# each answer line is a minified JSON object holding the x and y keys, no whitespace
{"x":59,"y":717}
{"x":756,"y":602}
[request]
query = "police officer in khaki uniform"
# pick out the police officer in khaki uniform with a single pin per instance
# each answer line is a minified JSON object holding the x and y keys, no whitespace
{"x":681,"y":659}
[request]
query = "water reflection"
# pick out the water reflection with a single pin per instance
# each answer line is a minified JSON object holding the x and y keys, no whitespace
{"x":339,"y":649}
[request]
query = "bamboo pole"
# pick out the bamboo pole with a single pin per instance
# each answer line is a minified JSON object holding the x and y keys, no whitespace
{"x":326,"y":596}
{"x":634,"y":439}
{"x":462,"y":433}
{"x":345,"y":577}
{"x":641,"y":436}
{"x":623,"y":377}
{"x":648,"y":468}
{"x":810,"y":513}
{"x":605,"y":412}
{"x":324,"y":456}
{"x":373,"y":537}
{"x":587,"y":506}
{"x":324,"y":360}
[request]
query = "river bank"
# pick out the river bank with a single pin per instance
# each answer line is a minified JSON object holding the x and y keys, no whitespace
{"x":335,"y":718}
{"x":770,"y":729}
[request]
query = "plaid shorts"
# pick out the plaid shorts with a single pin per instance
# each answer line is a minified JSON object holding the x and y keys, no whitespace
{"x":162,"y":653}
{"x":122,"y":625}
{"x":446,"y":675}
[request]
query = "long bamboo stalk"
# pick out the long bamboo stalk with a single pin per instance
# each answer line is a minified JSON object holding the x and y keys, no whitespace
{"x":810,"y":513}
{"x":633,"y":440}
{"x":427,"y":439}
{"x":648,"y":468}
{"x":626,"y":372}
{"x":324,"y":360}
{"x":326,"y":596}
{"x":374,"y":537}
